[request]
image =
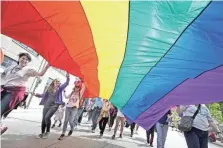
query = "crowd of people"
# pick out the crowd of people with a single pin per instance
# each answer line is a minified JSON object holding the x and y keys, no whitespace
{"x":101,"y":112}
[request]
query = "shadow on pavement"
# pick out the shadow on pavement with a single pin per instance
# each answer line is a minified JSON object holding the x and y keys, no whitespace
{"x":30,"y":141}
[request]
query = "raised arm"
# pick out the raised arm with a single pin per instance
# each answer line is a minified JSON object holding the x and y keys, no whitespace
{"x":40,"y":74}
{"x":82,"y":90}
{"x":63,"y":86}
{"x":34,"y":73}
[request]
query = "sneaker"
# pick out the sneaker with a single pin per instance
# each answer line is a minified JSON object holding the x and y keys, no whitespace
{"x":3,"y":129}
{"x":46,"y":135}
{"x":53,"y":126}
{"x":61,"y":137}
{"x":70,"y":133}
{"x":93,"y":131}
{"x":131,"y":135}
{"x":40,"y":136}
{"x":151,"y":144}
{"x":113,"y":137}
{"x":120,"y":136}
{"x":59,"y":125}
{"x":100,"y":135}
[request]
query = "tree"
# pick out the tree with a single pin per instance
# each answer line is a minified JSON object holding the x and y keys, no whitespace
{"x":216,"y":111}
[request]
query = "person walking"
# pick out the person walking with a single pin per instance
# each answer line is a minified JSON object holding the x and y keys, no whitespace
{"x":162,"y":129}
{"x":51,"y":100}
{"x":150,"y":135}
{"x":104,"y":117}
{"x":119,"y":119}
{"x":72,"y":108}
{"x":96,"y":112}
{"x":113,"y":113}
{"x":197,"y":137}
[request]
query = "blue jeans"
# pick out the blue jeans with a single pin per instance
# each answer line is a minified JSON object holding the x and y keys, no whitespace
{"x":162,"y":130}
{"x":48,"y":112}
{"x":5,"y":100}
{"x":196,"y":138}
{"x":95,"y":115}
{"x":69,"y":117}
{"x":90,"y":112}
{"x":79,"y":112}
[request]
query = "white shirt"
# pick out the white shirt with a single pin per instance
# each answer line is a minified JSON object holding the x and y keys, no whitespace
{"x":202,"y":119}
{"x":14,"y":77}
{"x":74,"y":100}
{"x":119,"y":114}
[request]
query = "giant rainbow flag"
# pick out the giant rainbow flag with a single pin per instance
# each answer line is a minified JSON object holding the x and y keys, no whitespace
{"x":145,"y":56}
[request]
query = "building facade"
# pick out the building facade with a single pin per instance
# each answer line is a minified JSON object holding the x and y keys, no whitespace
{"x":11,"y":48}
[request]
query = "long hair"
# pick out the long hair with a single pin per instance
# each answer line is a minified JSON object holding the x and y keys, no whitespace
{"x":51,"y":86}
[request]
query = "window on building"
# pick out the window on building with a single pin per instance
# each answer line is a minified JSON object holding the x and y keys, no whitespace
{"x":8,"y":62}
{"x":49,"y":81}
{"x":30,"y":50}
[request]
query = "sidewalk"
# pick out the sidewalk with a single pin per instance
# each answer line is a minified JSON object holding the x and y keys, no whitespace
{"x":24,"y":125}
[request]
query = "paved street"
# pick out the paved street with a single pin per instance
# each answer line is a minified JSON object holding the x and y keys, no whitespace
{"x":24,"y":125}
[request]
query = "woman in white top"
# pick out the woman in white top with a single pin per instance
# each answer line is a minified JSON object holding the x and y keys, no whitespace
{"x":120,"y":118}
{"x":198,"y":136}
{"x":13,"y":82}
{"x":72,"y":107}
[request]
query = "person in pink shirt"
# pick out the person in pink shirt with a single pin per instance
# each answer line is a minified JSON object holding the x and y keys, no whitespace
{"x":72,"y":108}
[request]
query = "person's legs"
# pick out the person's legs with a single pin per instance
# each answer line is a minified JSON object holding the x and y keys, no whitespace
{"x":55,"y":121}
{"x":81,"y":116}
{"x":111,"y":123}
{"x":76,"y":117}
{"x":164,"y":134}
{"x":71,"y":119}
{"x":93,"y":118}
{"x":48,"y":116}
{"x":5,"y":100}
{"x":116,"y":126}
{"x":152,"y":130}
{"x":192,"y":139}
{"x":43,"y":127}
{"x":97,"y":113}
{"x":122,"y":119}
{"x":203,"y":137}
{"x":132,"y":128}
{"x":101,"y":124}
{"x":104,"y":123}
{"x":148,"y":136}
{"x":67,"y":115}
{"x":43,"y":124}
{"x":90,"y":115}
{"x":159,"y":135}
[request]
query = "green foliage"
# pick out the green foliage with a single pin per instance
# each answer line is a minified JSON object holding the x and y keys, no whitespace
{"x":216,"y":111}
